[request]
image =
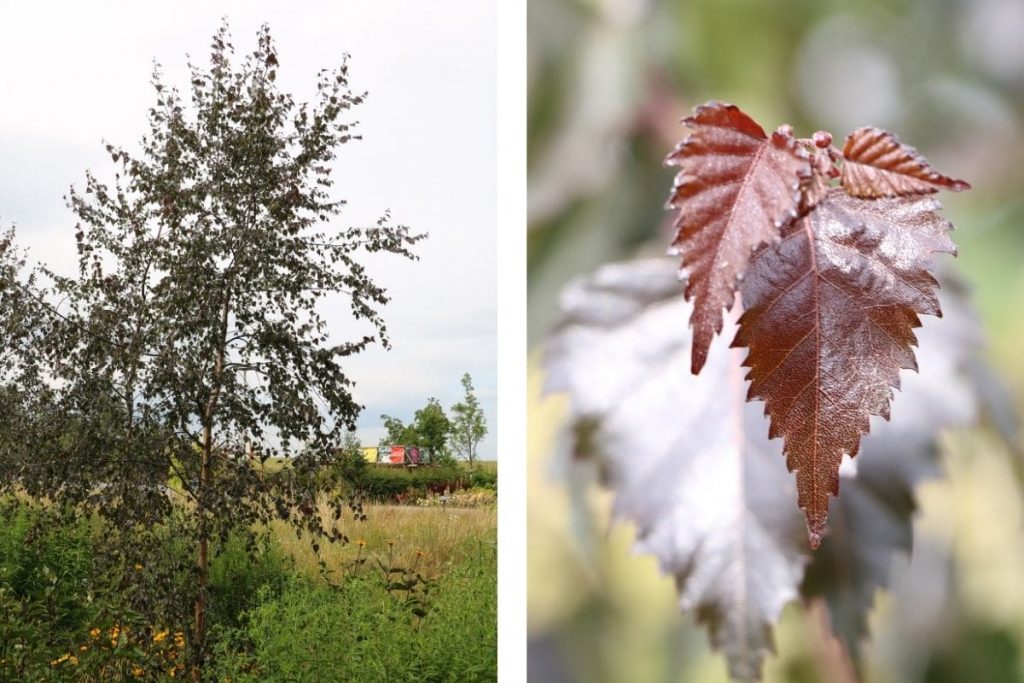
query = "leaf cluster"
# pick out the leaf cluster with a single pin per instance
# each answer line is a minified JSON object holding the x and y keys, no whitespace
{"x":828,"y":253}
{"x":832,"y":279}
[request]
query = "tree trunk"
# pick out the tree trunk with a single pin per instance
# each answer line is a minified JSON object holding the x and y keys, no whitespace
{"x":202,"y":561}
{"x":203,"y":556}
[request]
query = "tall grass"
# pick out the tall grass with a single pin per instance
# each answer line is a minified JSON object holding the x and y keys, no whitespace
{"x":440,"y":534}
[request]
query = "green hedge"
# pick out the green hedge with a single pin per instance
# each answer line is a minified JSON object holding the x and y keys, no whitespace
{"x":393,"y":484}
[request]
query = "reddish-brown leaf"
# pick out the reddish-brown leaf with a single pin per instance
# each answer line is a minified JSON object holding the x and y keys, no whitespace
{"x":829,"y":318}
{"x":734,"y":190}
{"x":877,"y":164}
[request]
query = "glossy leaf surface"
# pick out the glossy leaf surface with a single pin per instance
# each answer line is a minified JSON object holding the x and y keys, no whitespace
{"x":829,"y":318}
{"x":877,"y":164}
{"x":872,"y":521}
{"x":734,"y":188}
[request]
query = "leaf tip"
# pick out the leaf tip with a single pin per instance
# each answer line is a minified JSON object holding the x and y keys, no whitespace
{"x":698,"y":358}
{"x":815,"y":532}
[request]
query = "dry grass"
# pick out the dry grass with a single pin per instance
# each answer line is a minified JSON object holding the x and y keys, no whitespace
{"x":396,"y":534}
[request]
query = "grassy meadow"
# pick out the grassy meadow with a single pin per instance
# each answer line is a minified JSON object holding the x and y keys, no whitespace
{"x":411,"y":597}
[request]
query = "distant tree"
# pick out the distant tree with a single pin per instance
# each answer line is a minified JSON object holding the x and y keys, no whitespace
{"x":468,"y":425}
{"x":191,"y":329}
{"x":397,"y":433}
{"x":432,"y":428}
{"x":351,"y":463}
{"x":351,"y":446}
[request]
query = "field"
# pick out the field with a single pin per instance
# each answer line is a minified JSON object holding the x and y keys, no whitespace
{"x":411,"y":597}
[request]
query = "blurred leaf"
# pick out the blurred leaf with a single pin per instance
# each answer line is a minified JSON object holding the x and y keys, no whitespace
{"x":688,"y":456}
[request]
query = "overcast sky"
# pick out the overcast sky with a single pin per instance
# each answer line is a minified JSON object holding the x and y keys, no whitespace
{"x":75,"y":74}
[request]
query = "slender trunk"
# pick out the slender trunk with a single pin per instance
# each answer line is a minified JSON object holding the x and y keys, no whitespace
{"x":202,"y":559}
{"x":202,"y":491}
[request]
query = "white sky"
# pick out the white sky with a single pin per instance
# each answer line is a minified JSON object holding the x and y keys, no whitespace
{"x":75,"y":74}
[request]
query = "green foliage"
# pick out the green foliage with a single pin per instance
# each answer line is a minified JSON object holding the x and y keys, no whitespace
{"x":44,"y":571}
{"x":349,"y":461}
{"x":468,"y":425}
{"x":398,"y":433}
{"x":432,"y":428}
{"x":373,"y":632}
{"x":385,"y":620}
{"x":239,"y":571}
{"x":394,"y":484}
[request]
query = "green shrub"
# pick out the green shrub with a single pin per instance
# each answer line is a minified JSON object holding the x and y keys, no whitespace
{"x":44,"y":574}
{"x":398,"y":484}
{"x":367,"y":628}
{"x":238,"y":577}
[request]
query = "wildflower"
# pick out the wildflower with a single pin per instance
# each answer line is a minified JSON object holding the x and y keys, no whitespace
{"x":66,"y":657}
{"x":95,"y":632}
{"x":83,"y":648}
{"x":179,"y":640}
{"x":138,"y":567}
{"x":137,"y":671}
{"x":391,"y":544}
{"x":159,"y":636}
{"x":361,"y":543}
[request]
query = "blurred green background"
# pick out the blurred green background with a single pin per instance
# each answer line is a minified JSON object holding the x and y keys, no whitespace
{"x":608,"y":82}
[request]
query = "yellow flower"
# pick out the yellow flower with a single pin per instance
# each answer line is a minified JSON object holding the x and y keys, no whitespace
{"x":137,"y":671}
{"x":361,"y":543}
{"x":159,"y":635}
{"x":391,"y":543}
{"x":95,"y":632}
{"x":66,"y":657}
{"x":138,"y":567}
{"x":83,"y":648}
{"x":179,"y":640}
